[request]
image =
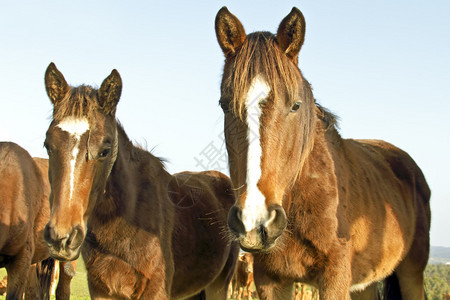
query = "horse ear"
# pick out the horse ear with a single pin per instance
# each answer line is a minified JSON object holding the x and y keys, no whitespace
{"x":55,"y":84}
{"x":109,"y":93}
{"x":229,"y":31}
{"x":291,"y":33}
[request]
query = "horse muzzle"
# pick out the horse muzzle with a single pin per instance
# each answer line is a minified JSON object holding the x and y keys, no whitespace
{"x":264,"y":235}
{"x":64,"y":246}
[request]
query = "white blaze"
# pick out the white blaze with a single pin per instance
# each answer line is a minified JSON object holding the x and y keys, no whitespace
{"x":254,"y":211}
{"x":76,"y":127}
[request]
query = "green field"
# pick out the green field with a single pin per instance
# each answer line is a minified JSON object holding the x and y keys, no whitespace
{"x":437,"y":282}
{"x":78,"y":287}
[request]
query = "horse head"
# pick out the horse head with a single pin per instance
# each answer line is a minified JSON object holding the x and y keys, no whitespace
{"x":82,"y":145}
{"x":269,"y":123}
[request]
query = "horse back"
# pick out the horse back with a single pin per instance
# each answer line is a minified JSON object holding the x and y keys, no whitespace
{"x":391,"y":169}
{"x":205,"y":188}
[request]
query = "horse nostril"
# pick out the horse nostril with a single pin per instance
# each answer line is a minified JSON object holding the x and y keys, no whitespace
{"x":49,"y":233}
{"x":262,"y":231}
{"x":277,"y":222}
{"x":235,"y":221}
{"x":76,"y":237}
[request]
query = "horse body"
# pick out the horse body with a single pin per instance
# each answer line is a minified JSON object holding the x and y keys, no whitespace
{"x":336,"y":213}
{"x":24,"y":191}
{"x":142,"y":231}
{"x":208,"y":257}
{"x":366,"y":240}
{"x":22,"y":194}
{"x":391,"y":220}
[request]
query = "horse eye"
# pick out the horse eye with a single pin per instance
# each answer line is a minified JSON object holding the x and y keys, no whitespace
{"x":48,"y":148}
{"x":104,"y":153}
{"x":296,"y":106}
{"x":262,"y":103}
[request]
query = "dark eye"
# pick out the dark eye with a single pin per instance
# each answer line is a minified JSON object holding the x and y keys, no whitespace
{"x":225,"y":105}
{"x":48,"y":148}
{"x":104,"y":153}
{"x":296,"y":106}
{"x":262,"y":103}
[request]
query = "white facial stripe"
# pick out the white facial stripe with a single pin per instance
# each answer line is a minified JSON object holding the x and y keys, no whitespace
{"x":254,"y":211}
{"x":76,"y":128}
{"x":72,"y":168}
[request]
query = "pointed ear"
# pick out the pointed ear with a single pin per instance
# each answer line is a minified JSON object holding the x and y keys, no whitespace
{"x":55,"y":84}
{"x":229,"y":31}
{"x":109,"y":92}
{"x":291,"y":33}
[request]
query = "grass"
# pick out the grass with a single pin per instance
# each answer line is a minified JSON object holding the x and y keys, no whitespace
{"x":78,"y":287}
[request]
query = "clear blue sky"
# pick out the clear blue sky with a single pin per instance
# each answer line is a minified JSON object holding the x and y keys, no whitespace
{"x":382,"y":66}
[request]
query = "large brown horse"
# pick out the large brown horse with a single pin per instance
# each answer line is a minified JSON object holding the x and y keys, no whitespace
{"x":143,"y":233}
{"x":340,"y":214}
{"x":24,"y":191}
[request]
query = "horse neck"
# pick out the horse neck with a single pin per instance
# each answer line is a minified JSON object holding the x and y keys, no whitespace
{"x":313,"y":198}
{"x":317,"y":174}
{"x":132,"y":167}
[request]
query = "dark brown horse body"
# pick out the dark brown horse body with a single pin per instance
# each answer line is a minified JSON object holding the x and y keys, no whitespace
{"x":203,"y":252}
{"x":24,"y":191}
{"x":143,"y":233}
{"x":313,"y":207}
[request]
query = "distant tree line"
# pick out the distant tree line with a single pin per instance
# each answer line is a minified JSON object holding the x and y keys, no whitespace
{"x":437,"y":281}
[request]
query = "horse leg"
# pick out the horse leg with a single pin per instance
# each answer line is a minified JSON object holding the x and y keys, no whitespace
{"x":410,"y":279}
{"x":55,"y":277}
{"x":18,"y":270}
{"x":33,"y":289}
{"x":66,"y":273}
{"x":333,"y":289}
{"x":410,"y":272}
{"x":335,"y":280}
{"x":270,"y":289}
{"x":230,"y":290}
{"x":249,"y":291}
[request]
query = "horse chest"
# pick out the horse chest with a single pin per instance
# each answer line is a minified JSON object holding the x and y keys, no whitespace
{"x":140,"y":258}
{"x":123,"y":240}
{"x":293,"y":261}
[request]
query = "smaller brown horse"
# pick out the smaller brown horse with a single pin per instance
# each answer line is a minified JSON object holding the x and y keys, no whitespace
{"x":24,"y":191}
{"x":143,"y":233}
